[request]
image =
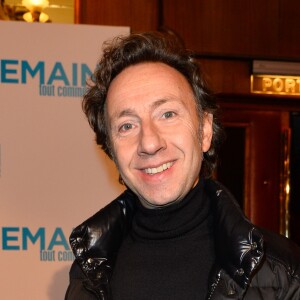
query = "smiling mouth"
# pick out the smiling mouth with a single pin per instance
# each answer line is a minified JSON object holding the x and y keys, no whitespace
{"x":163,"y":167}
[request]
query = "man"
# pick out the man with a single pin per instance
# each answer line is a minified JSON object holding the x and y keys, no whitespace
{"x":174,"y":233}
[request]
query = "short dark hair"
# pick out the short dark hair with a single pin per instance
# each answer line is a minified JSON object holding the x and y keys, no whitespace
{"x":123,"y":52}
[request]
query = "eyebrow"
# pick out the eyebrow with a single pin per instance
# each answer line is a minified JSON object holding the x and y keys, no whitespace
{"x":131,"y":112}
{"x":123,"y":113}
{"x":159,"y":102}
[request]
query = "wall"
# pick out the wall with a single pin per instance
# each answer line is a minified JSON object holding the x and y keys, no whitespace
{"x":226,"y":35}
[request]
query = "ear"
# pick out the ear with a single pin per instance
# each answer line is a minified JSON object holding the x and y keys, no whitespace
{"x":207,"y":131}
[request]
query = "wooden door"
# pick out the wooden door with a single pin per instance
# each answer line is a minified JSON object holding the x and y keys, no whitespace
{"x":251,"y":162}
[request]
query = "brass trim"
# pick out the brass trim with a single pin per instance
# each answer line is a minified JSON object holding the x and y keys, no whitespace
{"x":285,"y":184}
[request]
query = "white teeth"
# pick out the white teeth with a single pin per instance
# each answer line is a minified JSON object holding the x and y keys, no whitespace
{"x":159,"y":169}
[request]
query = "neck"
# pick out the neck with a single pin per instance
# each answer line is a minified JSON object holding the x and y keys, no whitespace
{"x":174,"y":219}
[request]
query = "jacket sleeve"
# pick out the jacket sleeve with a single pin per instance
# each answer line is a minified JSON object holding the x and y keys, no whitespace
{"x":293,"y":292}
{"x":76,"y":289}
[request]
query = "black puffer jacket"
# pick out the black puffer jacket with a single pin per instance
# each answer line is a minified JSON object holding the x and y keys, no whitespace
{"x":252,"y":263}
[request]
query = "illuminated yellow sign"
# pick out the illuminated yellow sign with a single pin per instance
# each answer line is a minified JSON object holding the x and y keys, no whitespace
{"x":274,"y":84}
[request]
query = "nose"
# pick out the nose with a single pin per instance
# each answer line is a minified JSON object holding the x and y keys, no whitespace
{"x":151,"y":140}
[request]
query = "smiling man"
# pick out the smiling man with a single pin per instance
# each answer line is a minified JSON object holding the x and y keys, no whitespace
{"x":174,"y":233}
{"x":156,"y":133}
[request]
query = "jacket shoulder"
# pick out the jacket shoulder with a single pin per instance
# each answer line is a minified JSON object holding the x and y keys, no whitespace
{"x":277,"y":277}
{"x":281,"y":250}
{"x":96,"y":230}
{"x":95,"y":243}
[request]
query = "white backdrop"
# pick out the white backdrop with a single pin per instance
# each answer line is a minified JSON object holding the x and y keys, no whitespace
{"x":52,"y":175}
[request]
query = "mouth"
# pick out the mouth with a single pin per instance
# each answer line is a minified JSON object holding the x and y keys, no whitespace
{"x":163,"y":167}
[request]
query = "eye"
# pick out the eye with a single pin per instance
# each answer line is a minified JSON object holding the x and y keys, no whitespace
{"x":168,"y":114}
{"x":125,"y":127}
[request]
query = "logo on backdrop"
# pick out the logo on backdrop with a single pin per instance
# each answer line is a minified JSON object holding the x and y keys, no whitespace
{"x":57,"y":79}
{"x":52,"y":244}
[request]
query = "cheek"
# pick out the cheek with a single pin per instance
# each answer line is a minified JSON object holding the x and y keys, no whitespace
{"x":191,"y":134}
{"x":188,"y":141}
{"x":115,"y":151}
{"x":122,"y":153}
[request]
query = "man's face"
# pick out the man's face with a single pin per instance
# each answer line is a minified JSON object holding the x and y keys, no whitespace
{"x":156,"y":133}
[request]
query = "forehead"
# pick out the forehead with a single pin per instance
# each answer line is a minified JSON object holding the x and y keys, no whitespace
{"x":149,"y":81}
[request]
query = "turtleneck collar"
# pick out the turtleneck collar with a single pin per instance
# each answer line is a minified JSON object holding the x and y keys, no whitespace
{"x":175,"y":220}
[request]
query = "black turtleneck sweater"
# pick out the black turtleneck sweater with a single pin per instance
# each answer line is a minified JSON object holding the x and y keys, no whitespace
{"x":169,"y":252}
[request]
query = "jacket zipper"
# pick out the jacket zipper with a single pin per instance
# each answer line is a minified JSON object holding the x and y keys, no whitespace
{"x":214,"y":285}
